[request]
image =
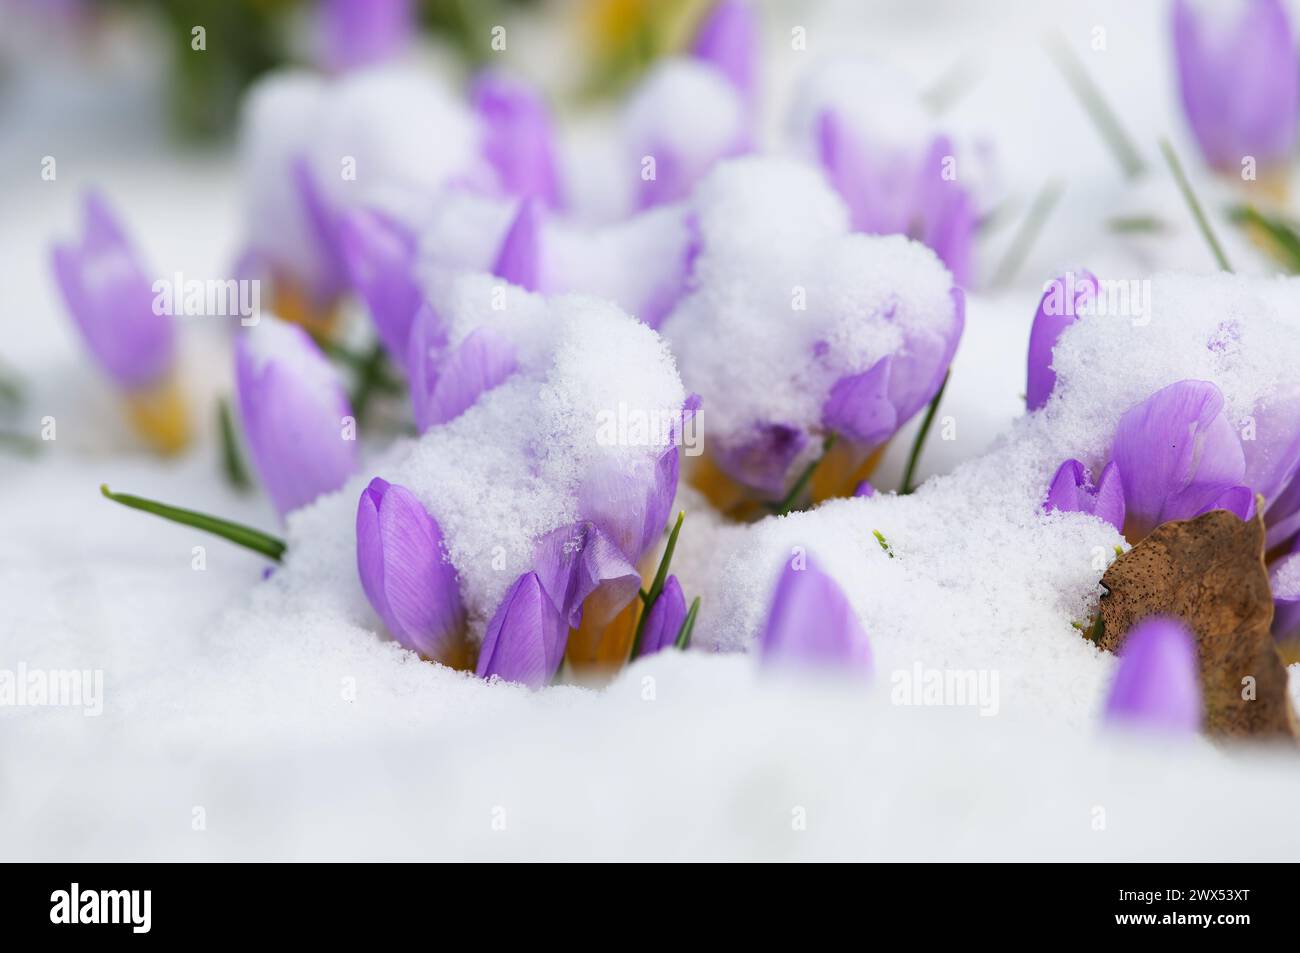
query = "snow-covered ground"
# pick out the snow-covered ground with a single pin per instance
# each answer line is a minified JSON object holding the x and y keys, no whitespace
{"x":252,"y":718}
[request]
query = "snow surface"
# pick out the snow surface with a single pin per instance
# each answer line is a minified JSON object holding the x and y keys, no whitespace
{"x":271,"y":719}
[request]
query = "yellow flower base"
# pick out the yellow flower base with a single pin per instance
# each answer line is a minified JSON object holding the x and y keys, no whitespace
{"x":160,"y":416}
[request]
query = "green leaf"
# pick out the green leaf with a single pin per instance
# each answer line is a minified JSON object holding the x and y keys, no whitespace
{"x":786,"y":505}
{"x":657,"y":586}
{"x":683,"y":640}
{"x":1198,"y":213}
{"x":231,"y":459}
{"x":915,"y":456}
{"x":1284,"y":242}
{"x":259,"y":542}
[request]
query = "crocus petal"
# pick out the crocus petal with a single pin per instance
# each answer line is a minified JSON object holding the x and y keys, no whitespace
{"x":358,"y":33}
{"x":946,"y":212}
{"x":865,"y":489}
{"x":482,"y":361}
{"x":1157,"y":684}
{"x":1238,"y":74}
{"x":1172,"y":450}
{"x":520,"y":258}
{"x":517,"y":140}
{"x":404,"y":572}
{"x":665,"y":618}
{"x":1071,"y":491}
{"x":859,"y":407}
{"x":728,"y":38}
{"x":763,"y":462}
{"x":323,"y":223}
{"x":1272,"y":450}
{"x":112,"y":301}
{"x":918,"y":371}
{"x":525,"y":640}
{"x":811,"y":624}
{"x":293,"y":408}
{"x":629,"y":500}
{"x":582,"y":570}
{"x":871,"y":194}
{"x":380,"y":255}
{"x":1284,"y":579}
{"x":1064,"y":299}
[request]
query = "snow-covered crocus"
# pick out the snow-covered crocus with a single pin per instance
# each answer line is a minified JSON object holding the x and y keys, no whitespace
{"x":357,"y":33}
{"x":1238,"y":72}
{"x":1157,"y":685}
{"x":406,"y":575}
{"x":868,"y":129}
{"x":112,"y":302}
{"x":1072,"y":491}
{"x":295,"y":413}
{"x":1064,"y":300}
{"x":525,"y":640}
{"x":518,"y":140}
{"x":810,"y":623}
{"x":796,"y":330}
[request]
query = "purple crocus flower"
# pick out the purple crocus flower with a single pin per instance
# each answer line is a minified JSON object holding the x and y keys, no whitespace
{"x":665,"y":618}
{"x":295,"y":413}
{"x":380,"y":255}
{"x":811,"y":623}
{"x":525,"y":640}
{"x":405,"y":573}
{"x":1158,"y":684}
{"x":1284,"y":580}
{"x":1238,"y":73}
{"x":111,"y":299}
{"x":360,"y":33}
{"x":1064,"y":299}
{"x":447,"y":381}
{"x":1072,"y":491}
{"x":1179,"y":456}
{"x":518,"y":141}
{"x":888,"y":192}
{"x":728,"y":38}
{"x":520,"y":259}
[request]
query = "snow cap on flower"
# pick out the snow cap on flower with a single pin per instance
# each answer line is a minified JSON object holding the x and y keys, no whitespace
{"x":405,"y":573}
{"x":295,"y":414}
{"x":810,"y":623}
{"x":1064,"y":300}
{"x":1072,"y":491}
{"x":867,"y":128}
{"x":728,"y":39}
{"x":525,"y":640}
{"x":1179,"y":456}
{"x":111,"y":300}
{"x":1157,"y":685}
{"x":518,"y":141}
{"x":683,"y":118}
{"x":357,"y":33}
{"x":380,"y":256}
{"x":1238,"y":74}
{"x":796,"y":327}
{"x":665,"y":619}
{"x":387,"y":139}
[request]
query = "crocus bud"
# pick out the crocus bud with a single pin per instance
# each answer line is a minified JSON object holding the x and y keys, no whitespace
{"x":525,"y":640}
{"x":1179,"y":456}
{"x":405,"y":573}
{"x":728,"y":39}
{"x":1072,"y":491}
{"x":357,"y":33}
{"x":518,"y":141}
{"x":665,"y":618}
{"x":112,"y":302}
{"x":811,"y":625}
{"x":1064,"y":300}
{"x":1238,"y":73}
{"x":447,"y":381}
{"x":296,"y":415}
{"x":380,"y":255}
{"x":1157,"y":685}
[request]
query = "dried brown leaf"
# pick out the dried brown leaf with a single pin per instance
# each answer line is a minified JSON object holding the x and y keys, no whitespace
{"x":1209,"y":572}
